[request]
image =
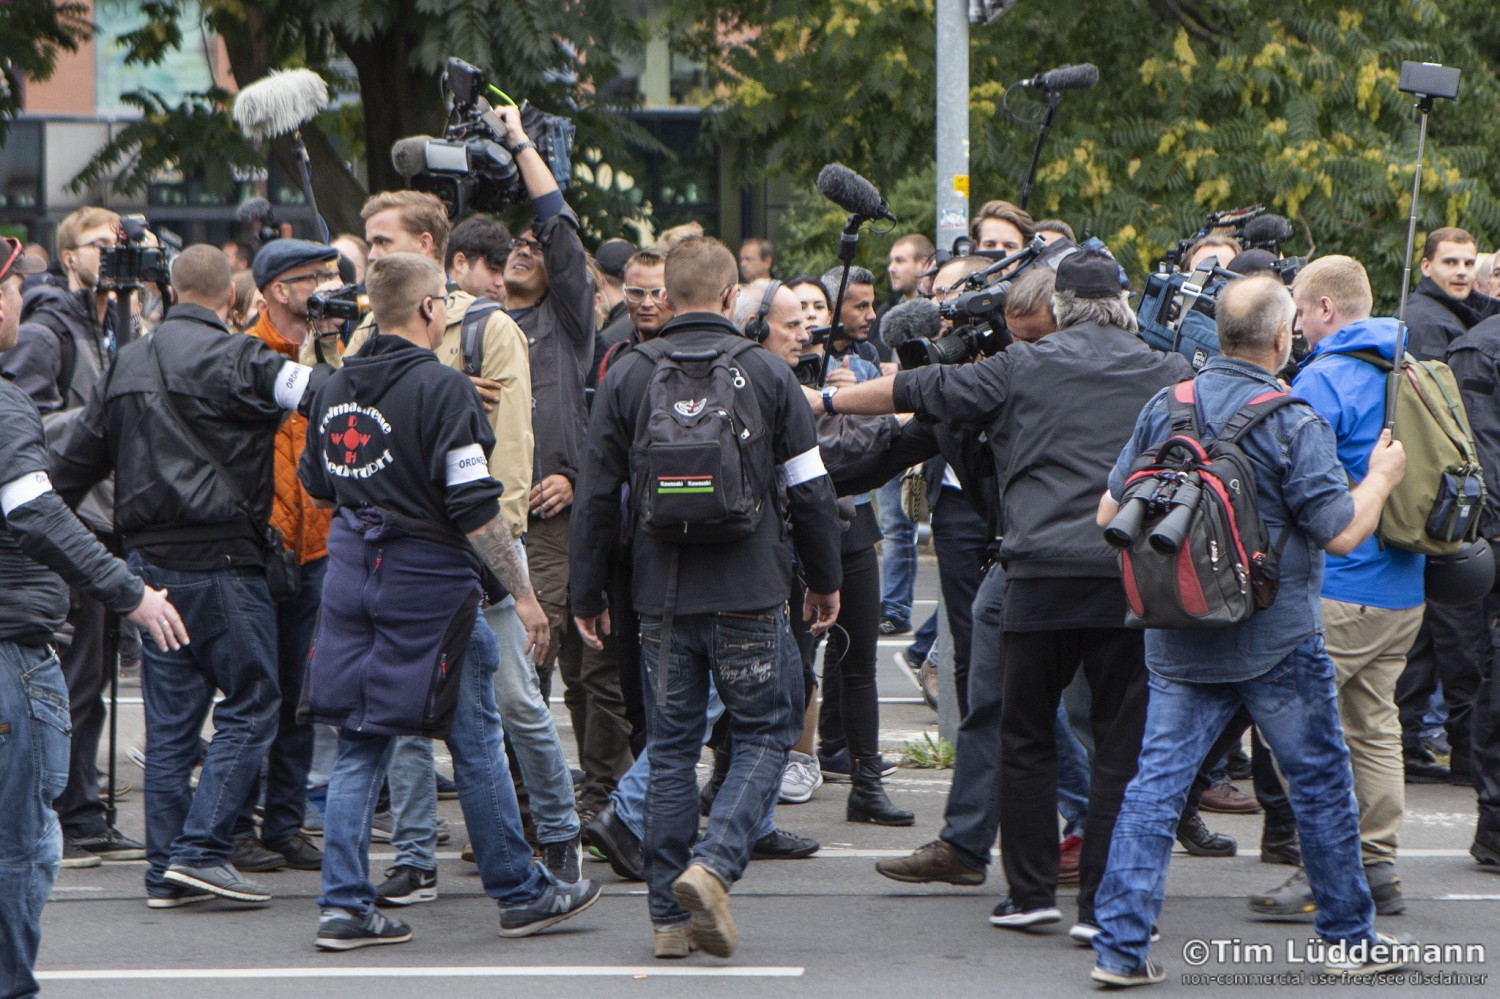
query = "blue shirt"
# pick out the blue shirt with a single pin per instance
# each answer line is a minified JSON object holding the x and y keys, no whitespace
{"x":863,"y":372}
{"x":1350,"y":394}
{"x":1300,"y":486}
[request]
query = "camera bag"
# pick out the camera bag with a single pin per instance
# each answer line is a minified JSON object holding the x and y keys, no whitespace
{"x":1177,"y":314}
{"x":1221,"y":568}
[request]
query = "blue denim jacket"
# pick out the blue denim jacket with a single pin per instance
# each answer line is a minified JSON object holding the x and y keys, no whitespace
{"x":1300,"y":486}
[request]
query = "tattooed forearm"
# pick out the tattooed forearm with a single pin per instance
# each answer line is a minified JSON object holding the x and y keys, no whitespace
{"x":495,"y":545}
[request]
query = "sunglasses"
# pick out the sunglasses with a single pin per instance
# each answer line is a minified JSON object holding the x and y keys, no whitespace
{"x":11,"y":257}
{"x":636,"y":295}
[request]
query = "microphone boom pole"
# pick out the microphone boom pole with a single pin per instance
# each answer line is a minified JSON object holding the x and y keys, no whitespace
{"x":1054,"y":98}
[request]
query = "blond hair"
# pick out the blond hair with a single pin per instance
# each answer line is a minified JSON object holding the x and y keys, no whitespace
{"x":397,"y":283}
{"x":418,"y":211}
{"x":1342,"y":280}
{"x":73,"y":225}
{"x":699,"y":270}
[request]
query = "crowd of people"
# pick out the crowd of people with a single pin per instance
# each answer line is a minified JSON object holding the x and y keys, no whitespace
{"x":528,"y":464}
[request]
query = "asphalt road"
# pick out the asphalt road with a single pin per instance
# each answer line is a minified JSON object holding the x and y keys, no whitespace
{"x":826,"y":926}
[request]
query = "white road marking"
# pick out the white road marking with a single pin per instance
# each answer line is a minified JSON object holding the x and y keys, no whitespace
{"x":494,"y":971}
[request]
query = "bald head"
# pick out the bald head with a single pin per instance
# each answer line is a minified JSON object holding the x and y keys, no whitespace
{"x":1254,"y":316}
{"x":202,"y":276}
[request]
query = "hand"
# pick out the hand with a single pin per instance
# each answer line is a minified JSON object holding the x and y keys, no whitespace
{"x":841,"y":375}
{"x":889,"y":367}
{"x":552,"y":495}
{"x":1388,"y":458}
{"x":534,"y":620}
{"x":156,"y":617}
{"x":591,"y":628}
{"x":510,"y":117}
{"x":488,"y":389}
{"x":822,"y":609}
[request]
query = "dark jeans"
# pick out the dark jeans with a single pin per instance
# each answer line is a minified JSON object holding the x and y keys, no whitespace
{"x":973,"y":811}
{"x":960,"y":538}
{"x":285,"y":780}
{"x":1038,"y":666}
{"x":748,"y":657}
{"x":1485,"y":727}
{"x":851,"y":706}
{"x":624,"y":645}
{"x":232,"y":622}
{"x":79,"y":809}
{"x":1448,"y":650}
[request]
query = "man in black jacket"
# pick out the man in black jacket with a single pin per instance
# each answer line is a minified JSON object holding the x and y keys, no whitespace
{"x":188,"y":422}
{"x":1063,"y":601}
{"x":730,"y":625}
{"x":1442,"y":307}
{"x":41,"y":541}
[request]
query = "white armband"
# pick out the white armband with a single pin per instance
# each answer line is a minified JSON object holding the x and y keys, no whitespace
{"x":804,"y":467}
{"x":466,"y":464}
{"x":291,"y":382}
{"x":19,"y":492}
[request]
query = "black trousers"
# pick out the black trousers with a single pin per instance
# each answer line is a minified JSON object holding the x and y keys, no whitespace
{"x":960,"y":537}
{"x":79,"y":810}
{"x":851,"y":708}
{"x":1279,"y":821}
{"x":624,"y":645}
{"x":1448,"y":650}
{"x":1485,"y":727}
{"x":1038,"y":666}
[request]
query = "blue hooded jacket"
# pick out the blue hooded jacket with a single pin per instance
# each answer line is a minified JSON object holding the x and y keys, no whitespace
{"x":1350,"y":395}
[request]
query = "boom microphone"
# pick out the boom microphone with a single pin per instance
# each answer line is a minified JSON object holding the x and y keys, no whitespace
{"x":914,"y":320}
{"x":280,"y":102}
{"x":852,"y":193}
{"x":409,"y":155}
{"x":1266,"y":230}
{"x":256,"y":210}
{"x":1080,"y":77}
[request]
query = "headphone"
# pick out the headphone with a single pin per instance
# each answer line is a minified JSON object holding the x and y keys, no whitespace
{"x":758,"y":329}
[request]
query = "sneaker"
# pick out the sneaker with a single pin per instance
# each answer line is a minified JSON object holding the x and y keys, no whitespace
{"x":1013,"y":917}
{"x":671,"y":941}
{"x":800,"y":779}
{"x":75,"y":856}
{"x":176,"y":898}
{"x":312,"y":815}
{"x":443,"y":828}
{"x":890,"y":626}
{"x":1228,"y":800}
{"x":122,"y":790}
{"x":1294,"y":899}
{"x":703,"y":895}
{"x":381,"y":827}
{"x":251,"y":855}
{"x":935,"y":861}
{"x":552,"y":906}
{"x":111,"y":844}
{"x":406,"y":885}
{"x":340,"y":929}
{"x":447,"y":790}
{"x":223,"y":881}
{"x":136,"y":754}
{"x":562,"y":860}
{"x":300,"y":853}
{"x":1069,"y":855}
{"x":1149,"y":973}
{"x":1085,"y":930}
{"x":1385,"y":889}
{"x":1384,"y":955}
{"x":908,"y":664}
{"x":1237,"y":765}
{"x":618,"y":844}
{"x":778,"y":844}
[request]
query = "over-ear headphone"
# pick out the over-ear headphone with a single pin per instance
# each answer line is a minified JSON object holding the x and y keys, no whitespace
{"x":758,"y":328}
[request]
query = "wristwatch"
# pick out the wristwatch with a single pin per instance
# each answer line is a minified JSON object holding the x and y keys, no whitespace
{"x":520,"y":147}
{"x":829,"y":392}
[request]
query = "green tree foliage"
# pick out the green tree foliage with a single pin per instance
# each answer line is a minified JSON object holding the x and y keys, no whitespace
{"x":1201,"y":106}
{"x":33,"y":32}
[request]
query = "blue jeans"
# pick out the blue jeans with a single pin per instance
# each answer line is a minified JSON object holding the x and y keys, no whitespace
{"x":762,"y":691}
{"x":898,"y":553}
{"x":924,"y":639}
{"x":232,"y":621}
{"x":485,"y":793}
{"x":34,"y":742}
{"x":291,"y":749}
{"x":1296,"y":708}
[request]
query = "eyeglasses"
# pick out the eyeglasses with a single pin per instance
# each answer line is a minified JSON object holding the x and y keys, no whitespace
{"x":636,"y":295}
{"x":528,"y":244}
{"x":99,"y":244}
{"x":12,"y":257}
{"x":318,"y":276}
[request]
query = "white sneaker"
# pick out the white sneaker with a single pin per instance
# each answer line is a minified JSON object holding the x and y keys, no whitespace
{"x":800,"y":778}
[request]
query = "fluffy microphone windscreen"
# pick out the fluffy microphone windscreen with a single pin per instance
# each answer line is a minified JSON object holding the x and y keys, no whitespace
{"x":280,"y":102}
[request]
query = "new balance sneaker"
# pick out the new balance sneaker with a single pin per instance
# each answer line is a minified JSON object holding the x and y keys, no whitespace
{"x":1012,"y":917}
{"x":552,"y":906}
{"x":890,"y":626}
{"x":1149,"y":973}
{"x":800,"y":779}
{"x":340,"y":929}
{"x":111,"y":845}
{"x":75,"y":856}
{"x":223,"y":881}
{"x":703,"y":895}
{"x":935,"y":861}
{"x":174,"y":897}
{"x":562,"y":860}
{"x":406,"y":885}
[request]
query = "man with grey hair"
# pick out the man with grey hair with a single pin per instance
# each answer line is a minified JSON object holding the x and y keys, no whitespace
{"x":1064,"y":604}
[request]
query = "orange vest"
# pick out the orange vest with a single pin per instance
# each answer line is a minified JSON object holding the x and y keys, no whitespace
{"x":303,"y":526}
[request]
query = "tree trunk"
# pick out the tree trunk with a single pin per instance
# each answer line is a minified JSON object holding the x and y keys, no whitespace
{"x":399,"y":99}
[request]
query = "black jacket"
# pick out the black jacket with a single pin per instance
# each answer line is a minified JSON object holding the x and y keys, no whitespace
{"x":1434,"y":319}
{"x":233,"y":390}
{"x":964,"y":449}
{"x":749,"y":575}
{"x":1058,"y":411}
{"x":1475,"y":360}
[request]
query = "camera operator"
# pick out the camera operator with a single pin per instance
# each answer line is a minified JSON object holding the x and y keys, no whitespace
{"x":188,"y":422}
{"x":41,"y":541}
{"x":549,"y":292}
{"x":1063,"y":602}
{"x":64,"y":348}
{"x":1220,"y":248}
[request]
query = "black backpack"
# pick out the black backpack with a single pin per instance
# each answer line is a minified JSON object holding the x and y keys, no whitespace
{"x":701,"y":457}
{"x":471,"y":334}
{"x":1194,"y":552}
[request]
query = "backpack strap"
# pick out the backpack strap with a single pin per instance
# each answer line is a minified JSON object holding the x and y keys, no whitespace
{"x":1253,"y":413}
{"x":1182,"y":410}
{"x":471,"y":334}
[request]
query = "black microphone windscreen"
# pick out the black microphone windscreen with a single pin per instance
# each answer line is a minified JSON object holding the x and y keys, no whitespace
{"x":914,"y":320}
{"x":254,"y":210}
{"x":1080,"y":77}
{"x":1267,"y":229}
{"x":850,"y":191}
{"x":409,"y":155}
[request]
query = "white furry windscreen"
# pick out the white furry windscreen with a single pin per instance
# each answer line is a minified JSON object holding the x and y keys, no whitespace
{"x":280,"y":102}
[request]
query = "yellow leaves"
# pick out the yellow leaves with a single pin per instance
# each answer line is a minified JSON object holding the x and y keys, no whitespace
{"x":751,"y":93}
{"x":1457,"y":212}
{"x":1214,"y":191}
{"x":1365,"y":98}
{"x":1267,"y":57}
{"x":1349,"y":20}
{"x":1130,"y":170}
{"x":1276,"y":126}
{"x":1182,"y":48}
{"x":1169,"y":138}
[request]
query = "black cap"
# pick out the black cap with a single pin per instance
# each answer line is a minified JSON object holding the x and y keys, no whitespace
{"x":281,"y":255}
{"x":1250,"y":261}
{"x":612,"y":256}
{"x":1089,"y":274}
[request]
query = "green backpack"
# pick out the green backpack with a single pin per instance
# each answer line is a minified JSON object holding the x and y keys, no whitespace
{"x":1434,"y":510}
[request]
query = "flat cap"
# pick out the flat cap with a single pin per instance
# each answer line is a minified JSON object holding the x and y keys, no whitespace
{"x":281,"y":255}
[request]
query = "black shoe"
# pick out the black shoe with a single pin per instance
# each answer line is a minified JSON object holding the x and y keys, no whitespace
{"x":406,"y":885}
{"x":1385,"y":889}
{"x":1281,"y":850}
{"x":1421,"y":768}
{"x":552,"y":906}
{"x":111,"y":844}
{"x":251,"y":855}
{"x":340,"y":929}
{"x":1237,"y":765}
{"x":868,"y":801}
{"x":562,"y":860}
{"x":447,"y":790}
{"x":611,"y":837}
{"x":299,"y":852}
{"x":1460,"y":772}
{"x":782,"y":845}
{"x":890,"y":626}
{"x":1013,"y":917}
{"x":1486,"y":849}
{"x":75,"y":856}
{"x":1201,"y":841}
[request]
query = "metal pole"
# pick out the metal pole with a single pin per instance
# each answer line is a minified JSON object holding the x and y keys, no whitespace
{"x":1424,"y":108}
{"x":952,"y":121}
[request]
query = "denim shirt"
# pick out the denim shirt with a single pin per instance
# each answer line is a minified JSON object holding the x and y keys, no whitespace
{"x":863,"y":371}
{"x":1300,"y":486}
